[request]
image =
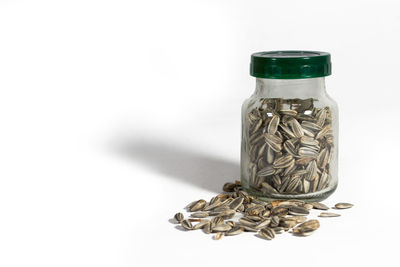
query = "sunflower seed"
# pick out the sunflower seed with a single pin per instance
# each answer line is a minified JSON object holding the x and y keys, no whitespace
{"x":323,"y":132}
{"x":287,"y":131}
{"x":274,"y":221}
{"x":247,"y":222}
{"x":323,"y":158}
{"x":207,"y":229}
{"x":200,"y":214}
{"x":288,"y":112}
{"x":296,"y":127}
{"x":308,"y":133}
{"x":267,"y":188}
{"x":283,"y":162}
{"x":216,"y":220}
{"x":235,"y":231}
{"x":218,"y":236}
{"x":229,"y":187}
{"x":289,"y":147}
{"x":328,"y":214}
{"x":273,"y":142}
{"x":308,"y":152}
{"x":222,"y":227}
{"x":187,"y":224}
{"x":299,"y":219}
{"x":277,"y":230}
{"x":323,"y":181}
{"x":270,"y":155}
{"x":280,"y":211}
{"x":308,"y":141}
{"x":178,"y":217}
{"x":273,"y":124}
{"x":276,"y":180}
{"x":267,"y":171}
{"x":263,"y":223}
{"x":258,"y":125}
{"x":227,"y":214}
{"x":214,"y":205}
{"x":311,"y":126}
{"x":231,"y":223}
{"x":321,"y":117}
{"x":306,"y":227}
{"x":267,"y":233}
{"x":234,"y":205}
{"x":308,"y":206}
{"x":311,"y":171}
{"x":319,"y":206}
{"x":343,"y":205}
{"x":298,"y":211}
{"x":201,"y":224}
{"x":294,"y":182}
{"x":249,"y":228}
{"x":198,"y":205}
{"x":288,"y":223}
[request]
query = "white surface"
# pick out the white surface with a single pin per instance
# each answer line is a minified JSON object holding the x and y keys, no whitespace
{"x":116,"y":114}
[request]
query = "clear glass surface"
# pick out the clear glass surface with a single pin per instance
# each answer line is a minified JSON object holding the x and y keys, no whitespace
{"x":290,"y":140}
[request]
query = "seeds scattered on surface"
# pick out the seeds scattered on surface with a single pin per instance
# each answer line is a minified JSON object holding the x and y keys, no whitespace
{"x":265,"y":218}
{"x":343,"y":205}
{"x":328,"y":214}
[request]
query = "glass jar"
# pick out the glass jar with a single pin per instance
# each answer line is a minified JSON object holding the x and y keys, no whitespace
{"x":290,"y":128}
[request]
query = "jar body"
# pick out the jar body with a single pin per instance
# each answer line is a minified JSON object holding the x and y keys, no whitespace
{"x":290,"y":140}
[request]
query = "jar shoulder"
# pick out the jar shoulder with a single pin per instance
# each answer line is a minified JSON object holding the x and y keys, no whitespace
{"x":322,"y":100}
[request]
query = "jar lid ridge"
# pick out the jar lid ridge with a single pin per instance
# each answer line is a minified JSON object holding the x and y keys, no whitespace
{"x":290,"y":64}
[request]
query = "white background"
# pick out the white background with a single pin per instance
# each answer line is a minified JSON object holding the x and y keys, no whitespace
{"x":115,"y":114}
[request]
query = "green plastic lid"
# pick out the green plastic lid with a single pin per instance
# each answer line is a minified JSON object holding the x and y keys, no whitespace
{"x":290,"y":64}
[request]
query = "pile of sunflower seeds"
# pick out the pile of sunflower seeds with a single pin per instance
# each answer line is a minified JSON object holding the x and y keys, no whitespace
{"x":264,"y":218}
{"x":289,"y":143}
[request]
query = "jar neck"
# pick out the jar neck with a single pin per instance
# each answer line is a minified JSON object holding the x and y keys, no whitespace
{"x":290,"y":88}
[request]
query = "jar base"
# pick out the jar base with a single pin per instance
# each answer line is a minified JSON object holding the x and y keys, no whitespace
{"x":311,"y":197}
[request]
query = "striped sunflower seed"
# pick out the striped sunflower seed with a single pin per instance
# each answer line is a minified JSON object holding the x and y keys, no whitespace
{"x":222,"y":227}
{"x":187,"y":225}
{"x":328,"y":214}
{"x":218,"y":236}
{"x":267,"y":233}
{"x":198,"y":205}
{"x":200,"y":214}
{"x":319,"y":206}
{"x":234,"y":231}
{"x":343,"y":205}
{"x":201,"y":224}
{"x":306,"y":227}
{"x":273,"y":124}
{"x":178,"y":217}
